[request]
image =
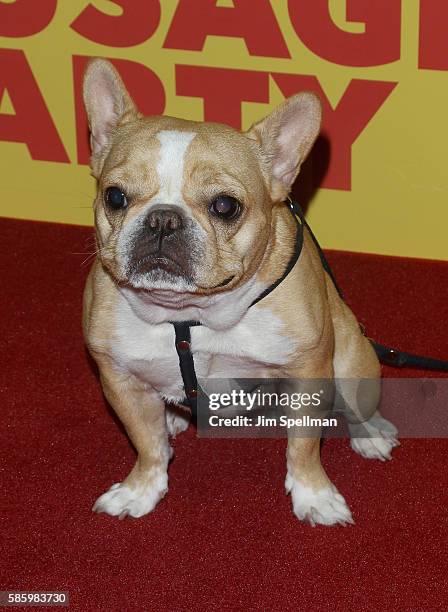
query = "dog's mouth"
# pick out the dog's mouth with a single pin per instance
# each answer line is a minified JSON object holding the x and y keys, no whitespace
{"x":156,"y":262}
{"x":156,"y":268}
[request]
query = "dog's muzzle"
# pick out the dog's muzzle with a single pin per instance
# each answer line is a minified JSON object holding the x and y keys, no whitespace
{"x":160,"y":246}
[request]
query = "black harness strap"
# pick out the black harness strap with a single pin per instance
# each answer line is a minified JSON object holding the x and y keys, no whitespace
{"x":386,"y":355}
{"x":323,"y":259}
{"x":186,"y":362}
{"x":300,"y":219}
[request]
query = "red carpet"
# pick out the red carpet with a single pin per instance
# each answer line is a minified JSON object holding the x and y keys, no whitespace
{"x":224,"y":538}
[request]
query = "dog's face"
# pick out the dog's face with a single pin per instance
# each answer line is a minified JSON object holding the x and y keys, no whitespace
{"x":188,"y":207}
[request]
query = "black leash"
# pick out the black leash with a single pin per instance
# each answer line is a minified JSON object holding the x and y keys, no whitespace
{"x":387,"y":355}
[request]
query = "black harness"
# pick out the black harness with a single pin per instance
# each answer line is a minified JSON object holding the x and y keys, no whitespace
{"x":386,"y":355}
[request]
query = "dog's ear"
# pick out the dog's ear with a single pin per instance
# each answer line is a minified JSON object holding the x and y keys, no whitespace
{"x":286,"y":137}
{"x":107,"y":102}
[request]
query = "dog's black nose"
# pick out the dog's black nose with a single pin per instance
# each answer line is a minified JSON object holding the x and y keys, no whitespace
{"x":164,"y":221}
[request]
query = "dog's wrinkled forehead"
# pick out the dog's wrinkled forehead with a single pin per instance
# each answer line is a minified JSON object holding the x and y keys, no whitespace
{"x":170,"y":161}
{"x":272,"y":150}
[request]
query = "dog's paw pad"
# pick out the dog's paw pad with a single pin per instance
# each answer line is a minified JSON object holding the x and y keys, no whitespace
{"x":323,"y":507}
{"x":123,"y":501}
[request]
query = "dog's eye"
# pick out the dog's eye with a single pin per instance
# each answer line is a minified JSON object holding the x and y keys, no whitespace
{"x":225,"y":207}
{"x":115,"y":198}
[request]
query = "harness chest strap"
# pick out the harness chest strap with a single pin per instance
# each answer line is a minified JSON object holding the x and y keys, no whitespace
{"x":186,"y":362}
{"x":386,"y":355}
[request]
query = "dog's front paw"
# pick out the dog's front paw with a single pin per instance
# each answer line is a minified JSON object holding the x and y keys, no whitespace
{"x":323,"y":507}
{"x":374,"y":439}
{"x":123,"y":501}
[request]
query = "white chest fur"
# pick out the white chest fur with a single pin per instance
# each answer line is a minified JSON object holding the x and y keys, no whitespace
{"x":251,"y":348}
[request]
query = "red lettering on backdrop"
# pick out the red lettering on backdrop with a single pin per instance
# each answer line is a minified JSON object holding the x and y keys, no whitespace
{"x":138,"y":22}
{"x":32,"y":123}
{"x":343,"y":123}
{"x":142,"y":83}
{"x":433,"y":50}
{"x":25,"y":17}
{"x":222,"y":90}
{"x":252,"y":20}
{"x":379,"y":44}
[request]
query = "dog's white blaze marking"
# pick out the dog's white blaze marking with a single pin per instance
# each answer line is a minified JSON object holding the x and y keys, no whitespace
{"x":170,"y":166}
{"x":170,"y":170}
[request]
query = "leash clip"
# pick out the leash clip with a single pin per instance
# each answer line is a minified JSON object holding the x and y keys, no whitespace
{"x":393,"y":358}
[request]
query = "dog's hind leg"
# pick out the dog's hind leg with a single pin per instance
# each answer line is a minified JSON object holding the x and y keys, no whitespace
{"x":357,"y":374}
{"x":177,"y":419}
{"x":315,"y":499}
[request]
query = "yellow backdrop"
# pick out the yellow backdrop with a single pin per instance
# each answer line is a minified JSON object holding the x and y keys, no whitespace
{"x":380,"y":68}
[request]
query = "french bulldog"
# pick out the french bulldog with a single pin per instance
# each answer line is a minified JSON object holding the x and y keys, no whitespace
{"x":191,"y":225}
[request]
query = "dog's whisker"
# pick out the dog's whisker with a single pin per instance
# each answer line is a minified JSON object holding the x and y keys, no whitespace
{"x":90,"y":254}
{"x":87,"y":259}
